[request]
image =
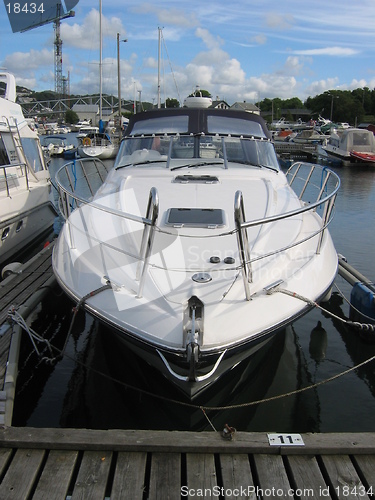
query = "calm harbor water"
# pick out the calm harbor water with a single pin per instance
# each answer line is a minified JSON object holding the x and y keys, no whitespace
{"x":93,"y":387}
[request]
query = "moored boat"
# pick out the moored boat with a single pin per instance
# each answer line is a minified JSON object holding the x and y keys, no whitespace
{"x":352,"y":145}
{"x":56,"y":145}
{"x":363,"y":157}
{"x":26,"y":206}
{"x":97,"y":145}
{"x":196,"y":261}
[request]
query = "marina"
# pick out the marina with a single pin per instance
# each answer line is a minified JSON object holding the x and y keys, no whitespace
{"x":81,"y":418}
{"x":187,"y":295}
{"x":151,"y":442}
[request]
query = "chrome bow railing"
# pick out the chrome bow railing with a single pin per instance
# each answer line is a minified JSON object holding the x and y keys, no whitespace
{"x":316,"y":187}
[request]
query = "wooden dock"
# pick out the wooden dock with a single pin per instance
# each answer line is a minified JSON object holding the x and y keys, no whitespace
{"x":294,"y":150}
{"x":127,"y":464}
{"x":23,"y":291}
{"x":123,"y":464}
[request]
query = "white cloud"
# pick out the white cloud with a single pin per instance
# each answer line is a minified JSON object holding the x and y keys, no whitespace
{"x":293,"y":66}
{"x":86,"y":35}
{"x":171,"y":16}
{"x":211,"y":42}
{"x":328,"y":51}
{"x":29,"y":61}
{"x":276,"y":20}
{"x":260,"y":39}
{"x":320,"y":86}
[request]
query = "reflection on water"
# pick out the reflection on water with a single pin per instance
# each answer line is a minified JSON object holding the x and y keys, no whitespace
{"x":93,"y":386}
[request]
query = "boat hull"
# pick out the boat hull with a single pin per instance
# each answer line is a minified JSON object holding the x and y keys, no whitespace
{"x":24,"y":229}
{"x":175,"y":362}
{"x":363,"y":157}
{"x":101,"y":152}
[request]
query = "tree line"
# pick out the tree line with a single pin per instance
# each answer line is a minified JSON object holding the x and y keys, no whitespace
{"x":353,"y":106}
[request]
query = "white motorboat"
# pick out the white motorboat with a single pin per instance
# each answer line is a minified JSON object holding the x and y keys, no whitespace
{"x":352,"y":145}
{"x":56,"y":145}
{"x":97,"y":145}
{"x":85,"y":130}
{"x":26,"y":206}
{"x":196,"y":262}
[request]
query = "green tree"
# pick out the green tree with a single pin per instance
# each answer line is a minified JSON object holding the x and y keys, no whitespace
{"x":71,"y":116}
{"x":200,"y":92}
{"x":172,"y":103}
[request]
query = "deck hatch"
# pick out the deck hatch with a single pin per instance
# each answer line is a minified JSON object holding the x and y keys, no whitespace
{"x":196,"y":217}
{"x":198,"y":179}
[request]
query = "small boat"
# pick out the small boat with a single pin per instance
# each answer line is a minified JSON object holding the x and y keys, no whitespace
{"x":56,"y":145}
{"x":309,"y":136}
{"x":196,"y":261}
{"x":363,"y":157}
{"x":85,"y":130}
{"x":352,"y":145}
{"x":97,"y":145}
{"x":26,"y":207}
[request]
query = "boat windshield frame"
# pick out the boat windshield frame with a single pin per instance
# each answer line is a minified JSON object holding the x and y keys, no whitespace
{"x":188,"y":150}
{"x":177,"y":135}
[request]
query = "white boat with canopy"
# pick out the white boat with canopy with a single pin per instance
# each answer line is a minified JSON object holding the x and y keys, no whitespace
{"x":196,"y":260}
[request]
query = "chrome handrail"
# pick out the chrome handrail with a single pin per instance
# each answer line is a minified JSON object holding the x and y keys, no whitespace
{"x":23,"y":168}
{"x":241,"y":225}
{"x":243,"y":242}
{"x":152,"y":213}
{"x":326,"y":186}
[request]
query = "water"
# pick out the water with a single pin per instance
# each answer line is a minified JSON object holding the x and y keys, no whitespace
{"x":92,"y":386}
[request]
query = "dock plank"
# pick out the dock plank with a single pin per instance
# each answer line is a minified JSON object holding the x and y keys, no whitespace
{"x":165,"y":478}
{"x":201,"y":472}
{"x":307,"y":476}
{"x":22,"y":474}
{"x":343,"y":477}
{"x":175,"y":441}
{"x":93,"y":476}
{"x":366,"y":463}
{"x":16,"y":289}
{"x":56,"y":476}
{"x":236,"y":474}
{"x":129,"y":479}
{"x":5,"y":456}
{"x":272,"y":476}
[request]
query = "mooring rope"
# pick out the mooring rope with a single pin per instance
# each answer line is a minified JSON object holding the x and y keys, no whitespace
{"x":355,"y":324}
{"x":33,"y":335}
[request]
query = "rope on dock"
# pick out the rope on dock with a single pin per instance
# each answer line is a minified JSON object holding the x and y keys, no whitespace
{"x":15,"y":318}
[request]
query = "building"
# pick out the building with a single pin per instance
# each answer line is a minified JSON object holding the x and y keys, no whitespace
{"x":246,"y":106}
{"x":88,"y":112}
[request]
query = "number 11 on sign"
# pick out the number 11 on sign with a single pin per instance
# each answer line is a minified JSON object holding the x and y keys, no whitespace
{"x":285,"y":440}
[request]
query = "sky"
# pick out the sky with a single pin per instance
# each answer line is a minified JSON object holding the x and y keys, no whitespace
{"x":243,"y":51}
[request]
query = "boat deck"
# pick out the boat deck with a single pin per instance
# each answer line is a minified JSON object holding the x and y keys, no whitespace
{"x":71,"y":463}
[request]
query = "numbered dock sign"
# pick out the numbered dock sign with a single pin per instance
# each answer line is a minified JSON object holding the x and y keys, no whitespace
{"x":285,"y":440}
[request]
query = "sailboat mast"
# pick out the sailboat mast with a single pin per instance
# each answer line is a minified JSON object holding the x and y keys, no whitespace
{"x":159,"y":47}
{"x":100,"y":61}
